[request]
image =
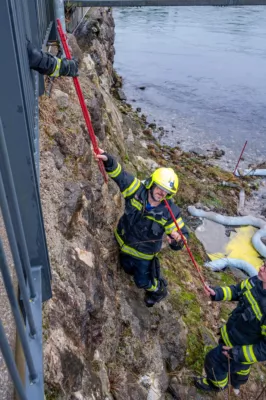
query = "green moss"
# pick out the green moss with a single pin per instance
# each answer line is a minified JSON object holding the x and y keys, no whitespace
{"x":126,"y":158}
{"x":227,"y":278}
{"x":224,"y":312}
{"x":96,"y":366}
{"x":127,"y":332}
{"x":141,"y":175}
{"x":52,"y":394}
{"x":217,"y":172}
{"x":187,"y":305}
{"x":171,"y":276}
{"x":195,"y":352}
{"x":198,"y":258}
{"x":215,"y":202}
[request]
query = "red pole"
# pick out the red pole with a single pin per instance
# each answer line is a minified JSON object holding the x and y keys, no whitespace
{"x":82,"y":101}
{"x":240,"y":156}
{"x":185,"y":243}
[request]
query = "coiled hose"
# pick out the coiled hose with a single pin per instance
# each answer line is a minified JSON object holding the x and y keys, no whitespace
{"x":235,"y":221}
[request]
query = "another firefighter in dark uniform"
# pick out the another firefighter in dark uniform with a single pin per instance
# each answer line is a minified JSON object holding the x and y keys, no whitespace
{"x":243,"y":338}
{"x":146,"y":219}
{"x":47,"y":64}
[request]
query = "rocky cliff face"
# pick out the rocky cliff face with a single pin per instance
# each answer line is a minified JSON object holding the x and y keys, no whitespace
{"x":100,"y":341}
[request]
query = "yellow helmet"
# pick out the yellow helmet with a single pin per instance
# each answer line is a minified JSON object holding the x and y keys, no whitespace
{"x":166,"y":179}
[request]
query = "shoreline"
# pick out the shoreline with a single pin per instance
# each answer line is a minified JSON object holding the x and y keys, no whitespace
{"x":194,"y":94}
{"x":255,"y":201}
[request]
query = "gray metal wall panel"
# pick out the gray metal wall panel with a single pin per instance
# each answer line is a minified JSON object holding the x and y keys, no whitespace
{"x":132,"y":3}
{"x":18,"y":130}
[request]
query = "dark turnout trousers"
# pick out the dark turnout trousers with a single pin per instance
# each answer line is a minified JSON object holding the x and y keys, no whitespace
{"x":217,"y":366}
{"x":140,"y":269}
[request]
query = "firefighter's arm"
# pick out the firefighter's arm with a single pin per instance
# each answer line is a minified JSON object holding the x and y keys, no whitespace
{"x":173,"y":236}
{"x":127,"y":183}
{"x":226,"y":293}
{"x":250,"y":353}
{"x":47,"y":64}
{"x":232,"y":292}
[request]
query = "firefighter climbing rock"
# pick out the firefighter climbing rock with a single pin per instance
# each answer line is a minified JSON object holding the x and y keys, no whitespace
{"x":146,"y":219}
{"x":243,"y":338}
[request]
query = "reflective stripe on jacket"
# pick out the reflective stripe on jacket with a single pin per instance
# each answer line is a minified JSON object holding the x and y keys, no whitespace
{"x":140,"y":232}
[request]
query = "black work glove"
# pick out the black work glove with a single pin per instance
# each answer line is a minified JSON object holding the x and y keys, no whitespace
{"x":109,"y":162}
{"x":234,"y":353}
{"x":69,"y":67}
{"x":174,"y":245}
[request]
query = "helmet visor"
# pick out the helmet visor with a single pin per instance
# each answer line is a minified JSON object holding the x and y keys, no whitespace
{"x":162,"y":188}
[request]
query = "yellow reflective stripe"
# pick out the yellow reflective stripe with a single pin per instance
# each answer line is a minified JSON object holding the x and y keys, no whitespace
{"x":136,"y":203}
{"x":129,"y":250}
{"x":227,"y":293}
{"x":246,"y":284}
{"x":161,"y":221}
{"x":254,"y":304}
{"x":244,"y":371}
{"x":153,"y":287}
{"x":225,"y":336}
{"x":119,"y":239}
{"x":132,"y":188}
{"x":263,"y":330}
{"x":224,"y":291}
{"x":57,"y":68}
{"x":116,"y":172}
{"x":220,"y":384}
{"x":172,"y":227}
{"x":249,"y":353}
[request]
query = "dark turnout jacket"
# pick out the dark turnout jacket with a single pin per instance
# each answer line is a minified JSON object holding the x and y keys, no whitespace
{"x":140,"y":232}
{"x":245,"y":330}
{"x":44,"y":63}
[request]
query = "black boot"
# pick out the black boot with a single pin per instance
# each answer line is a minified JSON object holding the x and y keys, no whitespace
{"x":152,"y":298}
{"x":206,"y":385}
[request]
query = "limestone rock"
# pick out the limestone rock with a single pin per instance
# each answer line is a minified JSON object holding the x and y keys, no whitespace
{"x":61,"y":98}
{"x":52,"y":130}
{"x":86,"y":257}
{"x":147,"y":163}
{"x":89,"y":63}
{"x":199,"y":151}
{"x":174,"y":345}
{"x":121,"y":94}
{"x":180,"y":392}
{"x":218,"y":153}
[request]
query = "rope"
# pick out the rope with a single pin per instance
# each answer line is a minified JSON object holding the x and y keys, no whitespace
{"x":82,"y":101}
{"x":185,"y":243}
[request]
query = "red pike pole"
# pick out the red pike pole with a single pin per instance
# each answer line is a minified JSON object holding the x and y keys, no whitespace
{"x":185,"y":243}
{"x":240,"y":157}
{"x":82,"y":101}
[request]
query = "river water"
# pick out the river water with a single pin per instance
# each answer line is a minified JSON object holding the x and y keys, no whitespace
{"x":204,"y":73}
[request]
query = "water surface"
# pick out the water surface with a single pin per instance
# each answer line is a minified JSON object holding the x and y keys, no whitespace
{"x":204,"y":70}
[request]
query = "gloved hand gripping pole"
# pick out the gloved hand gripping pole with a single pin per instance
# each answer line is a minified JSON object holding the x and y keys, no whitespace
{"x":82,"y":101}
{"x":185,"y":243}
